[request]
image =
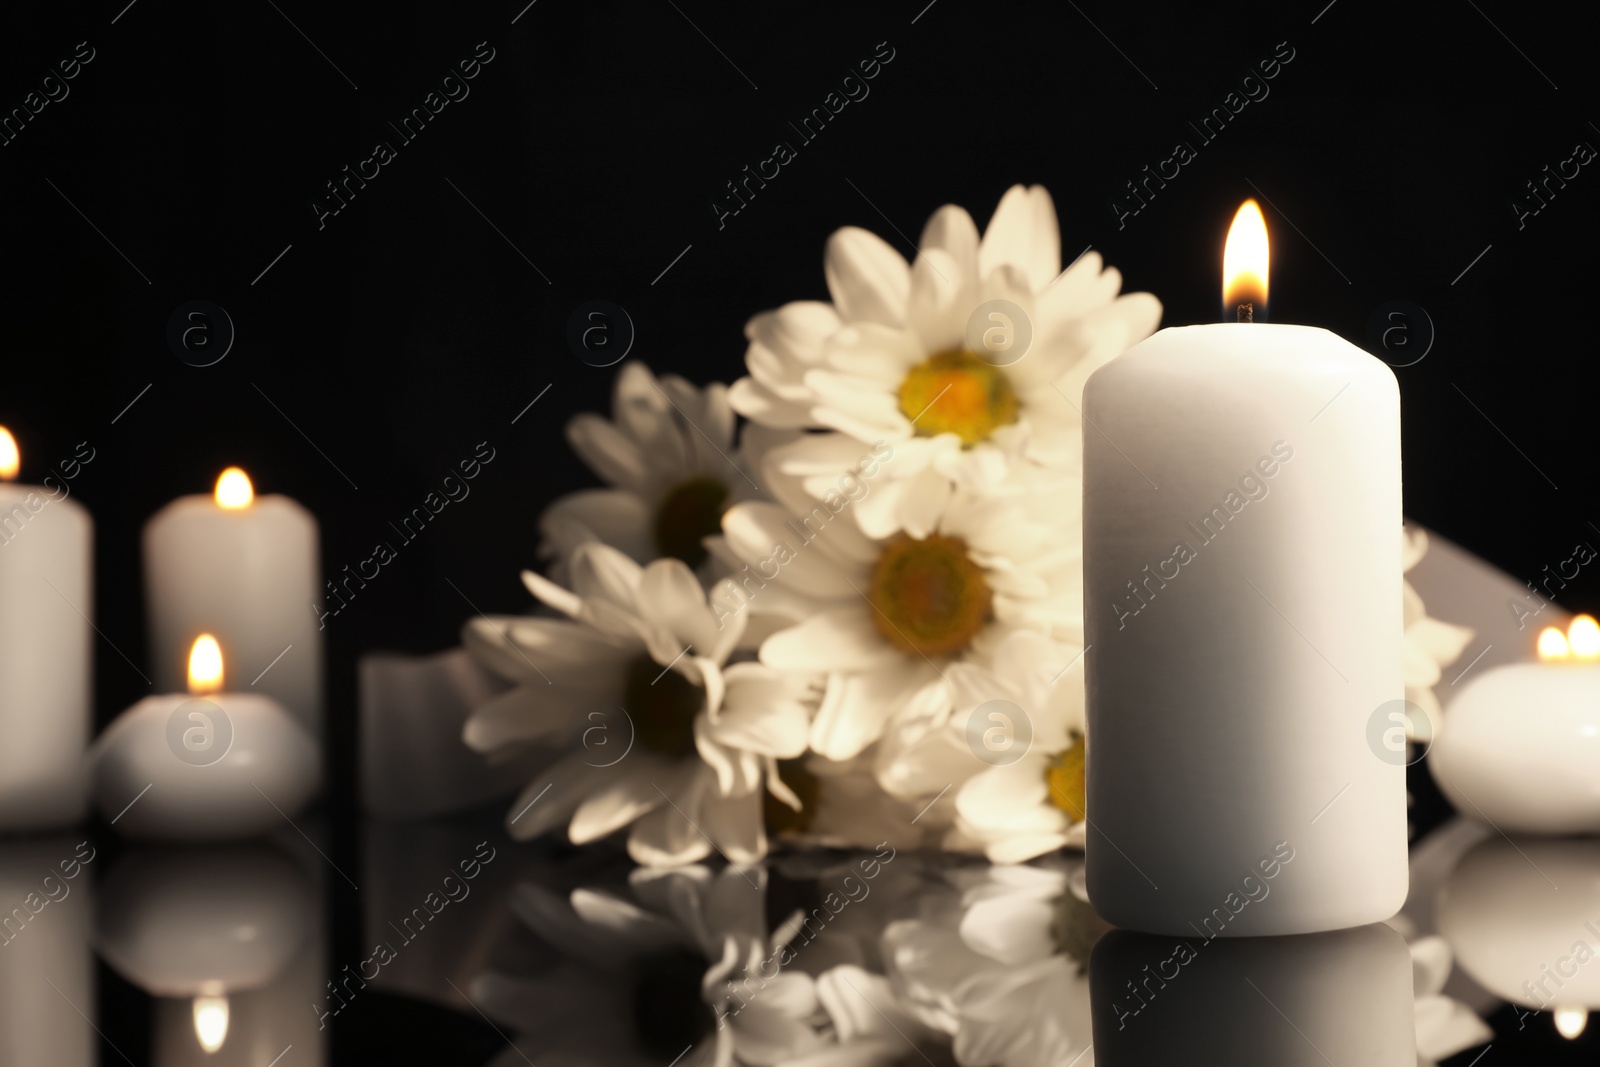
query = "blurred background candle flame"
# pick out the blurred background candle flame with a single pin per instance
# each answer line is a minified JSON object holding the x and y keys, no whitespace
{"x":234,"y":491}
{"x":1246,"y":258}
{"x":1580,"y":643}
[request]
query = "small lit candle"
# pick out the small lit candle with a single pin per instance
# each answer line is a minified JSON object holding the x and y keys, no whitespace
{"x":46,"y":643}
{"x":1243,"y":613}
{"x":244,"y":568}
{"x":1520,"y":744}
{"x":204,"y":766}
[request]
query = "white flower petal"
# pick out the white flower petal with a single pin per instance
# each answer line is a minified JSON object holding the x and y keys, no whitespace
{"x":608,"y":452}
{"x":1024,"y":233}
{"x":868,"y":279}
{"x":951,"y":230}
{"x":620,"y":801}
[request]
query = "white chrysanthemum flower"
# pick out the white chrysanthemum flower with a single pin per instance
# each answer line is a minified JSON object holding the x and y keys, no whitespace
{"x":1431,"y":645}
{"x":665,"y":736}
{"x":1005,"y":970}
{"x":1014,"y":747}
{"x":668,"y":455}
{"x":968,"y":361}
{"x":879,"y":618}
{"x":652,"y":982}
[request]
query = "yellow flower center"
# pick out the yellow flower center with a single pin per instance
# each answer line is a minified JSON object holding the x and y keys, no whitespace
{"x":956,"y":392}
{"x":930,"y":598}
{"x":689,"y":511}
{"x":780,"y":817}
{"x":1065,"y":776}
{"x":662,"y":705}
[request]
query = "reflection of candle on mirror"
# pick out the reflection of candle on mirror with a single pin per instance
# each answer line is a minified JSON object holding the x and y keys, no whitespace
{"x":46,"y":544}
{"x":244,"y":568}
{"x":1242,"y":579}
{"x":1523,"y":918}
{"x":211,"y":1021}
{"x":213,"y":934}
{"x":1520,"y":743}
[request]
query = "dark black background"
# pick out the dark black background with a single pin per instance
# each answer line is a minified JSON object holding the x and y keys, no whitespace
{"x":410,"y":327}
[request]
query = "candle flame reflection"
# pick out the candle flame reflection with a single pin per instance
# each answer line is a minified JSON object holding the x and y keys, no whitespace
{"x":10,"y":458}
{"x":205,"y":666}
{"x":234,"y":490}
{"x":1245,"y":259}
{"x":211,"y":1022}
{"x":1570,"y":1022}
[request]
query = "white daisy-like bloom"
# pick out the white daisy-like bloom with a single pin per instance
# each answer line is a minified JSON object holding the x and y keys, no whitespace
{"x":664,"y":735}
{"x":1431,"y":645}
{"x":1445,"y":1026}
{"x":652,"y":978}
{"x":1015,"y":746}
{"x":1003,"y":967}
{"x":879,"y":618}
{"x":668,"y":457}
{"x":969,"y":361}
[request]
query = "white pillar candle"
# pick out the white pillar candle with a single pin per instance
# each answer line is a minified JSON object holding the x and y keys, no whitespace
{"x":204,"y":766}
{"x":246,"y":569}
{"x":1242,"y":570}
{"x":46,"y":666}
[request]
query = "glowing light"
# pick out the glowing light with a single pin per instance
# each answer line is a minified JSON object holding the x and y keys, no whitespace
{"x":1553,"y":645}
{"x":1571,"y":1021}
{"x":234,"y":490}
{"x":205,"y":666}
{"x":1246,"y":258}
{"x":10,"y":458}
{"x":211,"y":1021}
{"x":1583,"y":636}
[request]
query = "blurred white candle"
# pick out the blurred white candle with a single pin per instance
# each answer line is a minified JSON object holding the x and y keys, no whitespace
{"x":1520,"y":747}
{"x":206,"y":766}
{"x":46,"y":666}
{"x":1242,"y":570}
{"x":246,"y":569}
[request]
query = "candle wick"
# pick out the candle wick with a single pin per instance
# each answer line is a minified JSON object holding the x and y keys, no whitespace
{"x":1247,"y":313}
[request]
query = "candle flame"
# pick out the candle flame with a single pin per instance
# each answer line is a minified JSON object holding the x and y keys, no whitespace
{"x":211,"y":1022}
{"x":1570,"y":1021}
{"x":1245,"y":258}
{"x":1583,"y":637}
{"x":234,"y":490}
{"x":1553,"y":645}
{"x":205,"y":666}
{"x":10,"y":458}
